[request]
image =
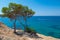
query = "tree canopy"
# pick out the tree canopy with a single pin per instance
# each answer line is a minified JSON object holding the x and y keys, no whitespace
{"x":14,"y":11}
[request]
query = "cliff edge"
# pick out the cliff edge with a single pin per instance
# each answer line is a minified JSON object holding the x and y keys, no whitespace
{"x":7,"y":34}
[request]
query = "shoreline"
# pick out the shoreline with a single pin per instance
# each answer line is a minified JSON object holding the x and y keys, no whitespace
{"x":7,"y":32}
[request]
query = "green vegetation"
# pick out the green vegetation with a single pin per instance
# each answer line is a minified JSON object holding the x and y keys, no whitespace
{"x":15,"y":12}
{"x":30,"y":30}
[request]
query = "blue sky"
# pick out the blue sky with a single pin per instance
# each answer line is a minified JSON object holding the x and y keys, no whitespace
{"x":41,"y":7}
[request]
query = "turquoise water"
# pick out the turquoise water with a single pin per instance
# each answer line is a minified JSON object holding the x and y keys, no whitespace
{"x":47,"y":25}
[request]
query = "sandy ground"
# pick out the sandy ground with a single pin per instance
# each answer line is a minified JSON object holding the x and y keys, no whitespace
{"x":7,"y":34}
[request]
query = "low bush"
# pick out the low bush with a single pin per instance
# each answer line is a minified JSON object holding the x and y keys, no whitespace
{"x":30,"y":30}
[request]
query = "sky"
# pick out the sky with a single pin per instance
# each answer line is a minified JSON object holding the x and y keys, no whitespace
{"x":41,"y":7}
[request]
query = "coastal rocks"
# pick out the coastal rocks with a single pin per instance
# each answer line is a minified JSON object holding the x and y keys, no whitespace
{"x":27,"y":38}
{"x":0,"y":24}
{"x":2,"y":37}
{"x":19,"y":33}
{"x":8,"y":34}
{"x":26,"y":34}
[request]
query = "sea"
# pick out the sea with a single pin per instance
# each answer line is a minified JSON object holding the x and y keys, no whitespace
{"x":46,"y":25}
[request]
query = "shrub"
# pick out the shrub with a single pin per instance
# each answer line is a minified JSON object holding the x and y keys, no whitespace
{"x":30,"y":30}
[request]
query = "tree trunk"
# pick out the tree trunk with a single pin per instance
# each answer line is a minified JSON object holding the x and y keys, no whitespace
{"x":15,"y":26}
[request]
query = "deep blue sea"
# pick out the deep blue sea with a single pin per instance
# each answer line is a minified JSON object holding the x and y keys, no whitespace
{"x":46,"y":25}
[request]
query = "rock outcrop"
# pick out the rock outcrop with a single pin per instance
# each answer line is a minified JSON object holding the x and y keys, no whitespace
{"x":7,"y":34}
